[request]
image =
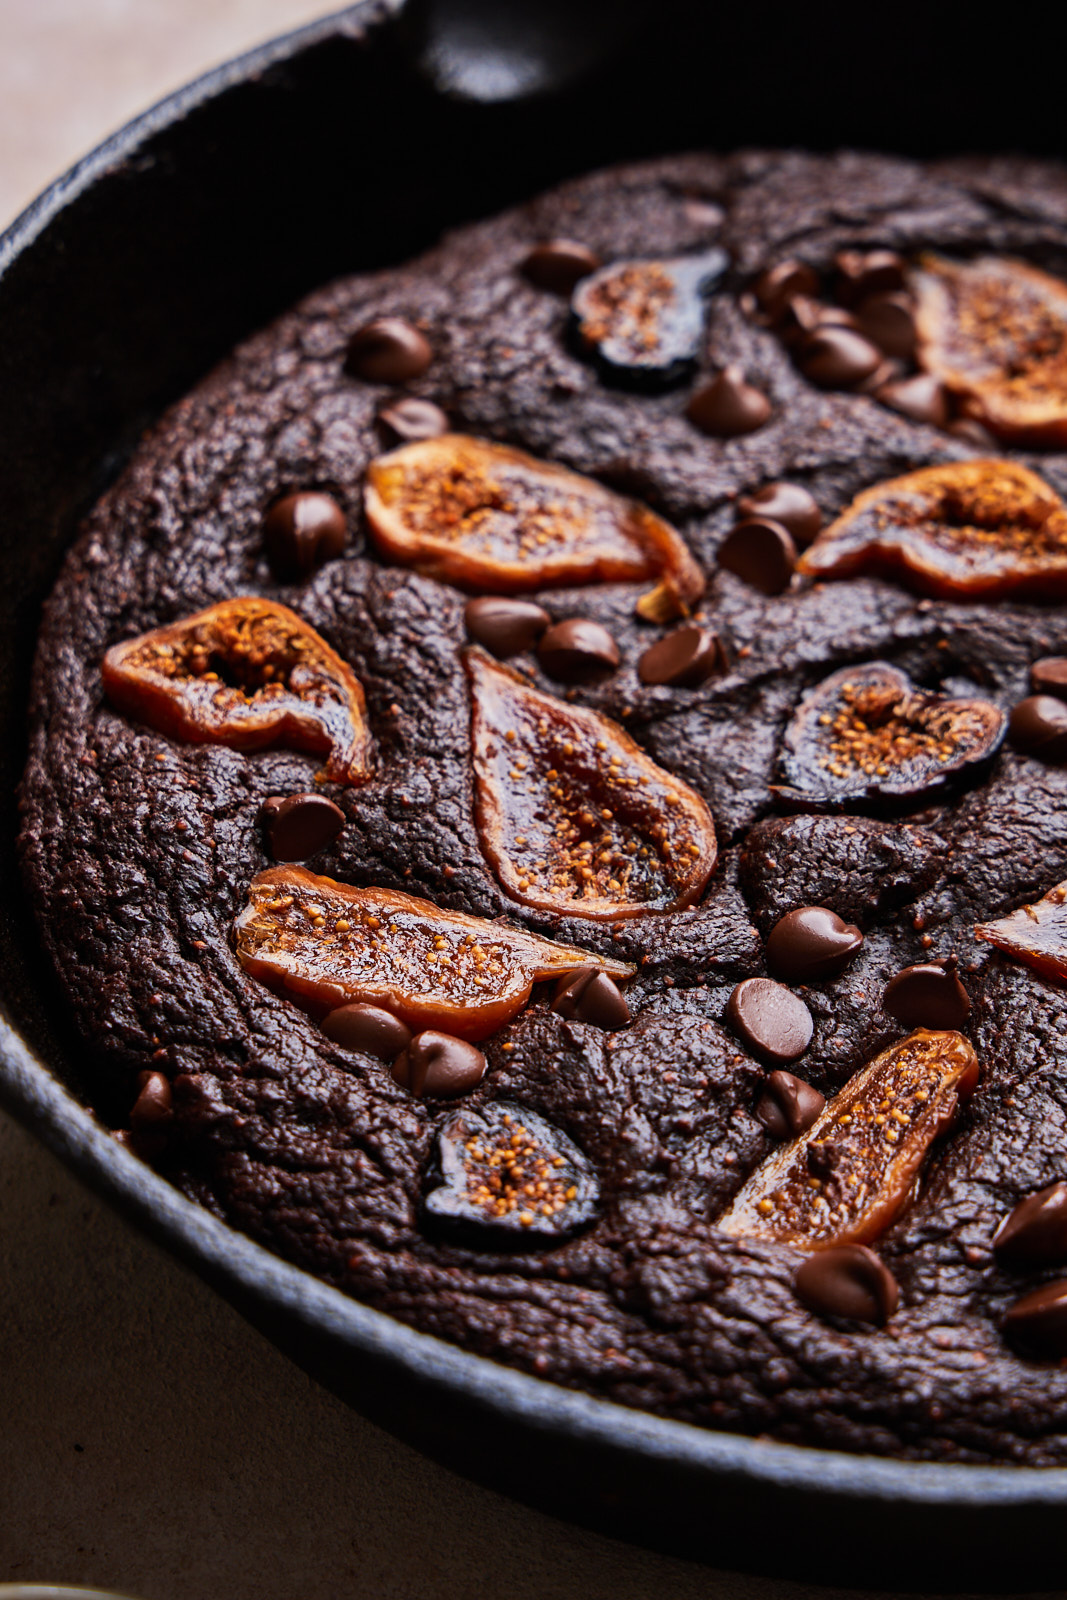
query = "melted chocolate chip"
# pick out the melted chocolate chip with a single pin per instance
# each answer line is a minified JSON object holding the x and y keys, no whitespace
{"x":811,"y":943}
{"x":787,"y":504}
{"x":388,"y":350}
{"x":303,"y":531}
{"x":1049,"y":676}
{"x":439,"y":1065}
{"x":927,"y":996}
{"x":589,"y":995}
{"x":1034,"y":1234}
{"x":866,"y":272}
{"x":838,"y":358}
{"x":684,"y":659}
{"x":1038,"y":727}
{"x":770,"y":1019}
{"x":578,"y":650}
{"x":888,"y":320}
{"x":788,"y":1106}
{"x":761,"y":552}
{"x":407,"y":420}
{"x":728,"y":406}
{"x":504,"y":626}
{"x":1037,"y":1324}
{"x":847,"y":1281}
{"x":922,"y":398}
{"x":559,"y":265}
{"x":367,"y":1029}
{"x":781,"y":284}
{"x":299,"y":825}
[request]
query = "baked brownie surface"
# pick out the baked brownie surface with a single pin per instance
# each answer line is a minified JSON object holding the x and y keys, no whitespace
{"x":139,"y":849}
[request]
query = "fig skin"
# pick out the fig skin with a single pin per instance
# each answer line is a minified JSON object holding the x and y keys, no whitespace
{"x":643,"y":321}
{"x":1035,"y":934}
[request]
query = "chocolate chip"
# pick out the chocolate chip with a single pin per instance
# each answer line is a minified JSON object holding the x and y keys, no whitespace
{"x":775,"y":288}
{"x":847,"y":1281}
{"x":684,"y":659}
{"x":922,"y":398}
{"x":927,"y":996}
{"x":1037,"y":1324}
{"x":504,"y":626}
{"x":303,"y":531}
{"x":407,"y":420}
{"x":838,"y":358}
{"x":558,"y":265}
{"x":577,"y":650}
{"x":811,"y":943}
{"x":368,"y":1029}
{"x":1049,"y":676}
{"x":439,"y":1065}
{"x":972,"y":432}
{"x":788,"y":1106}
{"x":791,"y":506}
{"x":861,"y":273}
{"x":761,"y":552}
{"x":299,"y":825}
{"x":154,"y":1103}
{"x":728,"y":406}
{"x":387,"y":350}
{"x":589,"y":995}
{"x":770,"y":1019}
{"x":888,"y":320}
{"x":1038,"y":727}
{"x":1035,"y":1233}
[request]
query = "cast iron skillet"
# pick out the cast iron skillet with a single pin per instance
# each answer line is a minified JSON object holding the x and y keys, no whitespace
{"x":350,"y":145}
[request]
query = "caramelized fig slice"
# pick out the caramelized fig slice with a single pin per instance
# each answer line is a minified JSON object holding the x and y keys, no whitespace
{"x":246,"y":673}
{"x":966,"y":530}
{"x":1036,"y":934}
{"x":847,"y":1178}
{"x":994,"y":331}
{"x":573,"y":816}
{"x":325,"y":944}
{"x":643,"y":320}
{"x":866,"y":734}
{"x":487,"y":517}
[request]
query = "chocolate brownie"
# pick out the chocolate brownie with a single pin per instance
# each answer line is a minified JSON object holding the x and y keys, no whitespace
{"x":811,"y":788}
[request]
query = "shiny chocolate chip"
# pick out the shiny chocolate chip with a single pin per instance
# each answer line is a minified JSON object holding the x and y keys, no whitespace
{"x":388,"y":350}
{"x":299,"y":825}
{"x":811,"y":943}
{"x":1049,"y":676}
{"x":972,"y":432}
{"x":838,"y":358}
{"x":888,"y":320}
{"x":921,"y":398}
{"x":788,"y":1106}
{"x":927,"y":996}
{"x":407,"y":420}
{"x":847,"y":1281}
{"x":761,"y":552}
{"x":865,"y":272}
{"x":775,"y":288}
{"x":578,"y":650}
{"x":728,"y":406}
{"x":1037,"y":1324}
{"x":154,"y":1104}
{"x":1038,"y":727}
{"x":559,"y":265}
{"x":1034,"y":1234}
{"x":504,"y":626}
{"x":589,"y":995}
{"x":303,"y":531}
{"x":683,"y":659}
{"x":773,"y":1021}
{"x":368,"y":1029}
{"x":439,"y":1065}
{"x":788,"y":504}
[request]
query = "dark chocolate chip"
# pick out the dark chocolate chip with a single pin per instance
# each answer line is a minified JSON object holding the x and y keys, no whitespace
{"x":847,"y":1281}
{"x":1037,"y":1324}
{"x":799,"y":318}
{"x":788,"y":1106}
{"x":728,"y":406}
{"x":578,"y":650}
{"x":1035,"y":1233}
{"x":368,"y":1029}
{"x":922,"y":398}
{"x":643,"y":321}
{"x":838,"y":358}
{"x":559,"y":265}
{"x":791,"y":506}
{"x":154,"y":1103}
{"x":972,"y":432}
{"x":888,"y":320}
{"x":439,"y":1065}
{"x":684,"y":659}
{"x":1038,"y":727}
{"x":1049,"y":676}
{"x":861,"y":273}
{"x":299,"y":825}
{"x":388,"y":350}
{"x":775,"y":288}
{"x":407,"y":420}
{"x":303,"y":531}
{"x":589,"y":995}
{"x":505,"y":626}
{"x":773,"y":1021}
{"x":761,"y":552}
{"x":811,"y":943}
{"x":927,"y":996}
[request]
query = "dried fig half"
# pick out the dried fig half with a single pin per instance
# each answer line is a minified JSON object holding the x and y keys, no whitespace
{"x":994,"y":331}
{"x":573,"y":816}
{"x":643,"y":321}
{"x":849,"y":1176}
{"x":965,"y":530}
{"x":1035,"y":934}
{"x":867,"y":735}
{"x":325,"y":944}
{"x":246,"y":673}
{"x":490,"y":518}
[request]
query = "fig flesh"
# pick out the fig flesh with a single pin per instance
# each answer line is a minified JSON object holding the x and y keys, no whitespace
{"x":643,"y":321}
{"x":1035,"y":934}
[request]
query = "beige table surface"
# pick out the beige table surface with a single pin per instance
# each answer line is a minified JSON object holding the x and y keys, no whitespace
{"x":149,"y":1440}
